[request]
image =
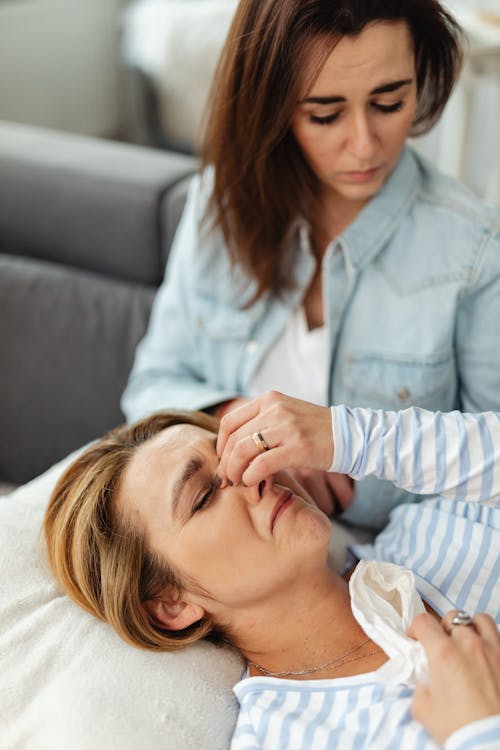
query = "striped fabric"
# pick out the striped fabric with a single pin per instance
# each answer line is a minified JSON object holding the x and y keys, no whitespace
{"x":452,"y":454}
{"x":453,"y":548}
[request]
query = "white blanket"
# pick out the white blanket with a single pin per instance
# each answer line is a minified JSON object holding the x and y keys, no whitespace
{"x":67,"y":682}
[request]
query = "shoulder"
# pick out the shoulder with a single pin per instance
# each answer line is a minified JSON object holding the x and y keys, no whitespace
{"x":449,"y":199}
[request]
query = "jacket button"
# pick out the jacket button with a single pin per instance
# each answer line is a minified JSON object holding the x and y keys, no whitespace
{"x":251,"y":346}
{"x":404,"y":394}
{"x":201,"y":323}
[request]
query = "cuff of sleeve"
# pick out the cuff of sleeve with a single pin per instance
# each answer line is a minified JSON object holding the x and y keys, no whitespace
{"x":483,"y":734}
{"x":338,"y":414}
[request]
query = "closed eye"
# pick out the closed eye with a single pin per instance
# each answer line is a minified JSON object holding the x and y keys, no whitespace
{"x":324,"y":120}
{"x":388,"y":108}
{"x":208,"y":494}
{"x":385,"y":109}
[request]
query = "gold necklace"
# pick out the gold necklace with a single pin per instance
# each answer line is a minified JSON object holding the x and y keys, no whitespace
{"x":311,"y":670}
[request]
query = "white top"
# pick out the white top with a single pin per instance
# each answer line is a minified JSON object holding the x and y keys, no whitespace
{"x":297,"y":363}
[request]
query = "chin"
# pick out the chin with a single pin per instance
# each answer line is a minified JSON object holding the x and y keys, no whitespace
{"x":362,"y":192}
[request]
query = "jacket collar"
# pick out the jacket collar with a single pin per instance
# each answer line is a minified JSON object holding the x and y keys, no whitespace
{"x":375,"y":224}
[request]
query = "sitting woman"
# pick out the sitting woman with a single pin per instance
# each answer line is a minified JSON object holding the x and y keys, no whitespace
{"x":142,"y":534}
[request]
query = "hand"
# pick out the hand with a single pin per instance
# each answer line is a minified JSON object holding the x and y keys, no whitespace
{"x":299,"y":435}
{"x":226,"y":406}
{"x":332,"y":492}
{"x":464,"y":673}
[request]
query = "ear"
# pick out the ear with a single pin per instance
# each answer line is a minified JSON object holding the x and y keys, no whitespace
{"x":165,"y":613}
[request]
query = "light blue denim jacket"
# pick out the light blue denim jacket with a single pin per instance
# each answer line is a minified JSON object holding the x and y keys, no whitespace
{"x":411,"y":295}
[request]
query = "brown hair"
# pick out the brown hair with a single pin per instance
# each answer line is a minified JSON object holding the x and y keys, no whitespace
{"x":99,"y":557}
{"x":261,"y":181}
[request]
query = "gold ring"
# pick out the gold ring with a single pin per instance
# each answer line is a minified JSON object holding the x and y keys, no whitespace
{"x":259,"y":441}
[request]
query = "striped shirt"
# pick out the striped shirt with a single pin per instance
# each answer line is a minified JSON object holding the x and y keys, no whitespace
{"x":453,"y":548}
{"x":451,"y":454}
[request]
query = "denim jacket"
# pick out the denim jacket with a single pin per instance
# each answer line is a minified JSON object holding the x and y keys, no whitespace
{"x":411,"y":295}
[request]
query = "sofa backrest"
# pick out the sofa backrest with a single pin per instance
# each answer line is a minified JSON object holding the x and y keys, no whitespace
{"x":85,"y":229}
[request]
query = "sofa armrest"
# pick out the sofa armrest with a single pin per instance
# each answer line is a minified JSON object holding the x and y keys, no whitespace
{"x":87,"y":203}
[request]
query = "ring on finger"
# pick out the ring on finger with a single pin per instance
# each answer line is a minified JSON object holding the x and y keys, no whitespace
{"x":462,"y":618}
{"x":259,"y":441}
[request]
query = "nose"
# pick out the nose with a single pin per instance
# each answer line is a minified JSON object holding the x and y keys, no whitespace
{"x":255,"y":492}
{"x":362,"y":138}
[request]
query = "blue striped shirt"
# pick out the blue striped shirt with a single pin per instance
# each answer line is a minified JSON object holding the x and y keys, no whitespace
{"x":453,"y":548}
{"x":435,"y":453}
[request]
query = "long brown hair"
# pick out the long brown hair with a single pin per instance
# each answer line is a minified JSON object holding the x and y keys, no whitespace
{"x":99,"y":557}
{"x":261,"y":181}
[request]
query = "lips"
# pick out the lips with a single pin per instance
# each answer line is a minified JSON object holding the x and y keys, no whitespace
{"x":282,"y":499}
{"x":362,"y":175}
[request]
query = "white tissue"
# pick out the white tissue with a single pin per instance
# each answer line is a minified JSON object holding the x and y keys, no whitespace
{"x":384,"y":601}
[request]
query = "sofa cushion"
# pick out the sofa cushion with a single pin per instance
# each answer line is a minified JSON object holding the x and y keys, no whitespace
{"x":85,"y":202}
{"x":67,"y":342}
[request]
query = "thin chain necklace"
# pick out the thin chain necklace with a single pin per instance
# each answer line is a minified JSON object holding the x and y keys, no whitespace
{"x":311,"y":670}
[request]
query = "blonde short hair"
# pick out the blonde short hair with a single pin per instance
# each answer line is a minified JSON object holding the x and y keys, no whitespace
{"x":99,"y":557}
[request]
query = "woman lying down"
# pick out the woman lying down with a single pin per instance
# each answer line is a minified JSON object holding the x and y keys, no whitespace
{"x":150,"y":531}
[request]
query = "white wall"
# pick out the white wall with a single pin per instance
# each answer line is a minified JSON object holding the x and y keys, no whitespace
{"x":59,"y":63}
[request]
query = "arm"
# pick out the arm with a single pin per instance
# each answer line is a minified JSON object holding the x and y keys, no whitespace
{"x":168,"y":370}
{"x":424,"y":452}
{"x":430,"y":453}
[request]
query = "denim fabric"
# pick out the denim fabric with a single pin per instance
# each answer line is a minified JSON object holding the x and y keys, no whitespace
{"x":412,"y":302}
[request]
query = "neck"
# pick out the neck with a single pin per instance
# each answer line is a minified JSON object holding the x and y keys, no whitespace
{"x":331,"y":216}
{"x":306,"y":627}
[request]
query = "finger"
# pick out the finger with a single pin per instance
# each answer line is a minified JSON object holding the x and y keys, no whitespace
{"x":235,"y":419}
{"x":447,"y":624}
{"x":244,"y":451}
{"x":487,"y":628}
{"x":265,"y":464}
{"x":242,"y":433}
{"x":321,"y":493}
{"x":430,"y":633}
{"x":342,"y":487}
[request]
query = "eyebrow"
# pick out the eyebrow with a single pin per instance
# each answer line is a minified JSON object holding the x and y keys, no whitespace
{"x":195,"y":464}
{"x":386,"y":88}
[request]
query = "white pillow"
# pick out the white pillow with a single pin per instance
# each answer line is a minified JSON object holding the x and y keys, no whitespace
{"x":67,"y":681}
{"x":177,"y":43}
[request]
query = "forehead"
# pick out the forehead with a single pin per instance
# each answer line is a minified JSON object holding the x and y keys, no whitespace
{"x":380,"y":51}
{"x":157,"y":463}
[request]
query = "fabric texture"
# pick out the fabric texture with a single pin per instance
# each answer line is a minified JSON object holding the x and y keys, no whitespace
{"x":68,"y":681}
{"x":412,"y":299}
{"x":453,"y":454}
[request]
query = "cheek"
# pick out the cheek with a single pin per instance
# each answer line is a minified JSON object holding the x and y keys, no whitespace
{"x":401,"y":127}
{"x":309,"y":138}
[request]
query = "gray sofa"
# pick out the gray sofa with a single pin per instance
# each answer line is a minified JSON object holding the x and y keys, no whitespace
{"x":85,"y":231}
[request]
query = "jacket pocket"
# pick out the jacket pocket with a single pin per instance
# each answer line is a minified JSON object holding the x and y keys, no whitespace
{"x":398,"y":381}
{"x":219,"y":321}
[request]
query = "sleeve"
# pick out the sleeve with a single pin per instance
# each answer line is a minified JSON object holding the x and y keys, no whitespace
{"x":168,"y":371}
{"x":477,"y":331}
{"x":452,"y":454}
{"x":480,"y":735}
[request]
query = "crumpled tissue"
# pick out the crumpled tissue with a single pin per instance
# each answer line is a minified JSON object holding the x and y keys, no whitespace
{"x":384,"y":600}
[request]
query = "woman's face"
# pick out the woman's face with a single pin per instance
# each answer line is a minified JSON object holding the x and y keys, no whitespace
{"x":352,"y":125}
{"x":239,"y":544}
